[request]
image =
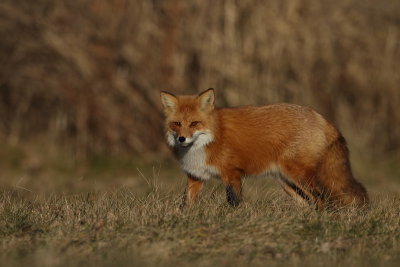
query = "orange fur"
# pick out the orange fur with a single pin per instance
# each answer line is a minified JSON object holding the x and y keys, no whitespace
{"x":306,"y":153}
{"x":193,"y":188}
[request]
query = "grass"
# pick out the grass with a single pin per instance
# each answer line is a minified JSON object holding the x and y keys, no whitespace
{"x":118,"y":227}
{"x":121,"y":212}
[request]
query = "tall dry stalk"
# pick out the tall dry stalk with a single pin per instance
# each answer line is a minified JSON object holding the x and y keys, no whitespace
{"x":88,"y":73}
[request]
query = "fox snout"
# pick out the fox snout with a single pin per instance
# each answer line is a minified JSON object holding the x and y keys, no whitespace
{"x":184,"y":141}
{"x":197,"y":138}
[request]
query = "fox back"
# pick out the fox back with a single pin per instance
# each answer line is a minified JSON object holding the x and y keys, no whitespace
{"x":295,"y":144}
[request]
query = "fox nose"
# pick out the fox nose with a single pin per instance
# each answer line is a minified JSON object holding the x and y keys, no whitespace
{"x":181,"y":139}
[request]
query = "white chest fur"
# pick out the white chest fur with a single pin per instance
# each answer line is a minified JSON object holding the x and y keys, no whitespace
{"x":193,"y":162}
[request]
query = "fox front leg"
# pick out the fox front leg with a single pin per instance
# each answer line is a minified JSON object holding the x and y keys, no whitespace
{"x":192,"y":191}
{"x":233,"y":184}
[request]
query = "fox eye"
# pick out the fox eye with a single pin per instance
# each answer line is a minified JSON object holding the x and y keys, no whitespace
{"x":194,"y":123}
{"x":177,"y":123}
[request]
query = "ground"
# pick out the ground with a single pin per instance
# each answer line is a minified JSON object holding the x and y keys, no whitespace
{"x":125,"y":212}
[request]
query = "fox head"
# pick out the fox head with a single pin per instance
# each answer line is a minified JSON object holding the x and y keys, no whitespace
{"x":189,"y":119}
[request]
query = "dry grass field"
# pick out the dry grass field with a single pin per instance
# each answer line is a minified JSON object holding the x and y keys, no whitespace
{"x":118,"y":212}
{"x":118,"y":228}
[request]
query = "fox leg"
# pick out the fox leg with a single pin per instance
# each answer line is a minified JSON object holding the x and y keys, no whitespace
{"x":294,"y":191}
{"x":233,"y":184}
{"x":300,"y":181}
{"x":193,"y":188}
{"x":304,"y":194}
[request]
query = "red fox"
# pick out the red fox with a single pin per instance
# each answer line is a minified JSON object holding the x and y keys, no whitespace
{"x":295,"y":144}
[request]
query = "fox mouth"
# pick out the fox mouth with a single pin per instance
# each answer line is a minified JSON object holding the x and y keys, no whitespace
{"x":199,"y":138}
{"x":186,"y":143}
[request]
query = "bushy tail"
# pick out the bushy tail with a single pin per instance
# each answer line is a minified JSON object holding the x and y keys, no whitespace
{"x":336,"y":178}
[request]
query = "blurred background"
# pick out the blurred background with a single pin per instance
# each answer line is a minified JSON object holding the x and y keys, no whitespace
{"x":80,"y":80}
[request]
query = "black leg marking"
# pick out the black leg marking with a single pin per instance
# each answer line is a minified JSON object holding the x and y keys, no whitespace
{"x":296,"y":189}
{"x":231,"y":196}
{"x":300,"y":193}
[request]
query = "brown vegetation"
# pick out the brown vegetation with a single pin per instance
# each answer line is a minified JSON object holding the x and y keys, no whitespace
{"x":120,"y":228}
{"x":87,"y":73}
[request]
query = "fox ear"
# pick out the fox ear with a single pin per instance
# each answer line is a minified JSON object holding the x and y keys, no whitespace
{"x":206,"y":100}
{"x":169,"y":102}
